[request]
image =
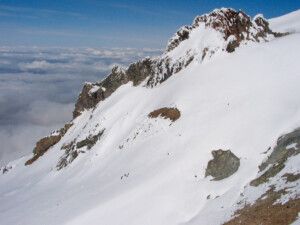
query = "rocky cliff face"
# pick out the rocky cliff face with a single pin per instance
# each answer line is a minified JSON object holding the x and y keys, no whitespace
{"x":91,"y":94}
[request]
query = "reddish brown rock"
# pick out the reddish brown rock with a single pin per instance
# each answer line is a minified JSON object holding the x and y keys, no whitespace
{"x":229,"y":23}
{"x":170,"y":113}
{"x":44,"y":144}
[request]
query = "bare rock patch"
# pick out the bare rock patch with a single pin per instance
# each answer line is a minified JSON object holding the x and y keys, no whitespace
{"x":169,"y":113}
{"x":287,"y":145}
{"x":73,"y":149}
{"x":223,"y":165}
{"x":266,"y":211}
{"x":44,"y":144}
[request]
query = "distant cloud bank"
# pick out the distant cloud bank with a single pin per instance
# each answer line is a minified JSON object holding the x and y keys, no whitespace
{"x":39,"y":86}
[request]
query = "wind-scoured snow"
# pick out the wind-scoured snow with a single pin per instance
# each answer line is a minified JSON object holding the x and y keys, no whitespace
{"x":151,"y":170}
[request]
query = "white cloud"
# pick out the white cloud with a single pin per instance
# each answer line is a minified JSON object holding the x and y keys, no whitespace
{"x":48,"y":113}
{"x":36,"y":65}
{"x":96,"y":52}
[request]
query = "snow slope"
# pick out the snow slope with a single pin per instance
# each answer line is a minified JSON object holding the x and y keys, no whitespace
{"x":241,"y":101}
{"x":287,"y":23}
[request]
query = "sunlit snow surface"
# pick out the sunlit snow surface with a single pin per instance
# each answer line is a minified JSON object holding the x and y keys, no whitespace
{"x":241,"y":101}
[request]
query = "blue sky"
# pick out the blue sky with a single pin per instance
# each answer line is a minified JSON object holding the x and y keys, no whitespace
{"x":96,"y":23}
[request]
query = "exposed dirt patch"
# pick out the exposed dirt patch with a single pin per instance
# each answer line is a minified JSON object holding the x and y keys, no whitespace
{"x":263,"y":211}
{"x":169,"y":113}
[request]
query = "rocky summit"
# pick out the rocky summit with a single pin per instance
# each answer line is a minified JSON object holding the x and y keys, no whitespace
{"x":208,"y":134}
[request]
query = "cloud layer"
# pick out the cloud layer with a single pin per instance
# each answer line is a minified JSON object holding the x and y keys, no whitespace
{"x":39,"y":86}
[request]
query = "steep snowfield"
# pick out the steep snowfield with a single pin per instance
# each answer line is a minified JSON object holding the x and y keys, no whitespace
{"x":287,"y":23}
{"x":241,"y":101}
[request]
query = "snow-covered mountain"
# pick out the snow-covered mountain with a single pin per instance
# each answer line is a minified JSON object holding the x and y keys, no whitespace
{"x":208,"y":133}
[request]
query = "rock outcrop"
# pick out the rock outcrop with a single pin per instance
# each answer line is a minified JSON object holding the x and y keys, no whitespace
{"x":91,"y":94}
{"x":223,"y":165}
{"x":267,"y":211}
{"x":234,"y":26}
{"x":73,"y":149}
{"x":44,"y":144}
{"x":168,"y":113}
{"x":90,"y":141}
{"x":279,"y":203}
{"x":182,"y":34}
{"x":287,"y":146}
